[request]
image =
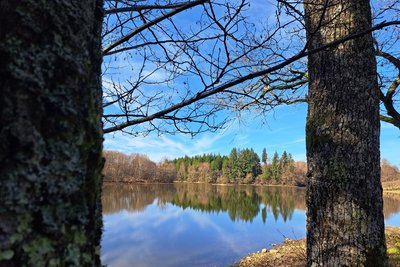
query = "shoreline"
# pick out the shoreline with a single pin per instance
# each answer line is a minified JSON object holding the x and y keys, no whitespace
{"x":292,"y":253}
{"x":391,"y":191}
{"x":386,"y":190}
{"x":185,"y":182}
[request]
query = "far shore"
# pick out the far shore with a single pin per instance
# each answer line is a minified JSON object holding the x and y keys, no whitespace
{"x":185,"y":182}
{"x":391,"y":191}
{"x":386,"y":190}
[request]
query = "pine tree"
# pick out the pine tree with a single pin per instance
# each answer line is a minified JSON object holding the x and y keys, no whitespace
{"x":233,"y":164}
{"x":264,"y":157}
{"x":291,"y":166}
{"x":275,"y":168}
{"x":226,"y":170}
{"x":284,"y":160}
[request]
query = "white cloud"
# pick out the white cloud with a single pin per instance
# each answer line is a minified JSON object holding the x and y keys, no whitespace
{"x":157,"y":148}
{"x":287,"y":145}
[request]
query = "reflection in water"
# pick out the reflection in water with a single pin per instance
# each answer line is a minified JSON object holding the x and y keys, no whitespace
{"x":134,"y":197}
{"x":391,"y":204}
{"x":240,"y":202}
{"x":187,"y":224}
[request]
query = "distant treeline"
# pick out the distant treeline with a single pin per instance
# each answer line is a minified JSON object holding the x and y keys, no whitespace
{"x":389,"y":172}
{"x":242,"y":166}
{"x":136,"y":168}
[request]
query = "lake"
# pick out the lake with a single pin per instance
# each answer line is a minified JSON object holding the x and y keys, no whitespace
{"x":186,"y":224}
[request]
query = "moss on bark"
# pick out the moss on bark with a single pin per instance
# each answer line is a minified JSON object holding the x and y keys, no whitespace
{"x":344,"y":227}
{"x":50,"y":112}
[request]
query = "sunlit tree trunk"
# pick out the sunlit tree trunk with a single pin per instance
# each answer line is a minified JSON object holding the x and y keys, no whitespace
{"x":51,"y":137}
{"x":345,"y":224}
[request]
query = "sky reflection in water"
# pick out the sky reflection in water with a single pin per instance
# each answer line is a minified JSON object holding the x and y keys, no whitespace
{"x":201,"y":224}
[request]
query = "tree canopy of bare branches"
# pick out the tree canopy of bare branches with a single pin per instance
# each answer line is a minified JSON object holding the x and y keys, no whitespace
{"x":192,"y":66}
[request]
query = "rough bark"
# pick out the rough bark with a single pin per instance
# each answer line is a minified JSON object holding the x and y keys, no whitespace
{"x":51,"y":138}
{"x":345,"y":225}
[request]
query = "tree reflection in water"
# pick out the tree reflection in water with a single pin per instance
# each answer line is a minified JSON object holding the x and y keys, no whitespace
{"x":391,"y":204}
{"x":242,"y":203}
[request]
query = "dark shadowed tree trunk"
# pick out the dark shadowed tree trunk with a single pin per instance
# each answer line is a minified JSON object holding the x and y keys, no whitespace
{"x":345,"y":224}
{"x":51,"y":138}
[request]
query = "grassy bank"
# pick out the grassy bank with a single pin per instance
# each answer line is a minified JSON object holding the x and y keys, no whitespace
{"x":391,"y":187}
{"x":292,"y":253}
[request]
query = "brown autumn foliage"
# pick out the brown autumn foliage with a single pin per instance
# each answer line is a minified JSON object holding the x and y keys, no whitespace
{"x":390,"y":176}
{"x":139,"y":168}
{"x":135,"y":168}
{"x":389,"y":172}
{"x":201,"y":172}
{"x":300,"y":171}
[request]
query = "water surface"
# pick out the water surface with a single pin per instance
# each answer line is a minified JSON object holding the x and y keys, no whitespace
{"x":201,"y":224}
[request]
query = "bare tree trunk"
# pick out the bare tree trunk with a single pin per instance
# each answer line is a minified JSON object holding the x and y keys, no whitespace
{"x":51,"y":137}
{"x":345,"y":225}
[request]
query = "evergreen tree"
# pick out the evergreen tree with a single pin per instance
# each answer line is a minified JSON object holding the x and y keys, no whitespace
{"x":233,"y":156}
{"x":266,"y":172}
{"x":284,"y":161}
{"x":233,"y":164}
{"x":264,"y":156}
{"x":216,"y":163}
{"x":264,"y":214}
{"x":226,"y":171}
{"x":275,"y":168}
{"x":291,"y":166}
{"x":256,"y":166}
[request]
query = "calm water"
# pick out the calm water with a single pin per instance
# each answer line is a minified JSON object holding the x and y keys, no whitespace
{"x":201,"y":224}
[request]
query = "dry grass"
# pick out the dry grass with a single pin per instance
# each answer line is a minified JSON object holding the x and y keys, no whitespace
{"x":292,"y":253}
{"x":392,"y":186}
{"x":393,"y":245}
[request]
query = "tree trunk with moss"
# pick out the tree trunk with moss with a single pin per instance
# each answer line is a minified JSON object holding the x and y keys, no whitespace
{"x":51,"y":137}
{"x":345,"y":224}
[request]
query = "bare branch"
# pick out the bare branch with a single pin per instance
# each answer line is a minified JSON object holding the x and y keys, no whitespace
{"x":212,"y":91}
{"x":151,"y":23}
{"x":137,"y":8}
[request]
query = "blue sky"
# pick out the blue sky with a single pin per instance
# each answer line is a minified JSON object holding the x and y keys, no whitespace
{"x":284,"y":129}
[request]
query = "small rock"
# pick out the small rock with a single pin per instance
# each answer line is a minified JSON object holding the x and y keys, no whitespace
{"x":263,"y":250}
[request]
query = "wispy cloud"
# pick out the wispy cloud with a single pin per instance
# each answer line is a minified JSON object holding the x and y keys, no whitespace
{"x":287,"y":145}
{"x":161,"y":147}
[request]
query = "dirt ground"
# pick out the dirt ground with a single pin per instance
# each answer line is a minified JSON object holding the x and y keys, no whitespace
{"x":292,"y":253}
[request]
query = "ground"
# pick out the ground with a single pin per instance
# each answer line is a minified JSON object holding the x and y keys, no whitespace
{"x":391,"y":187}
{"x":292,"y":253}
